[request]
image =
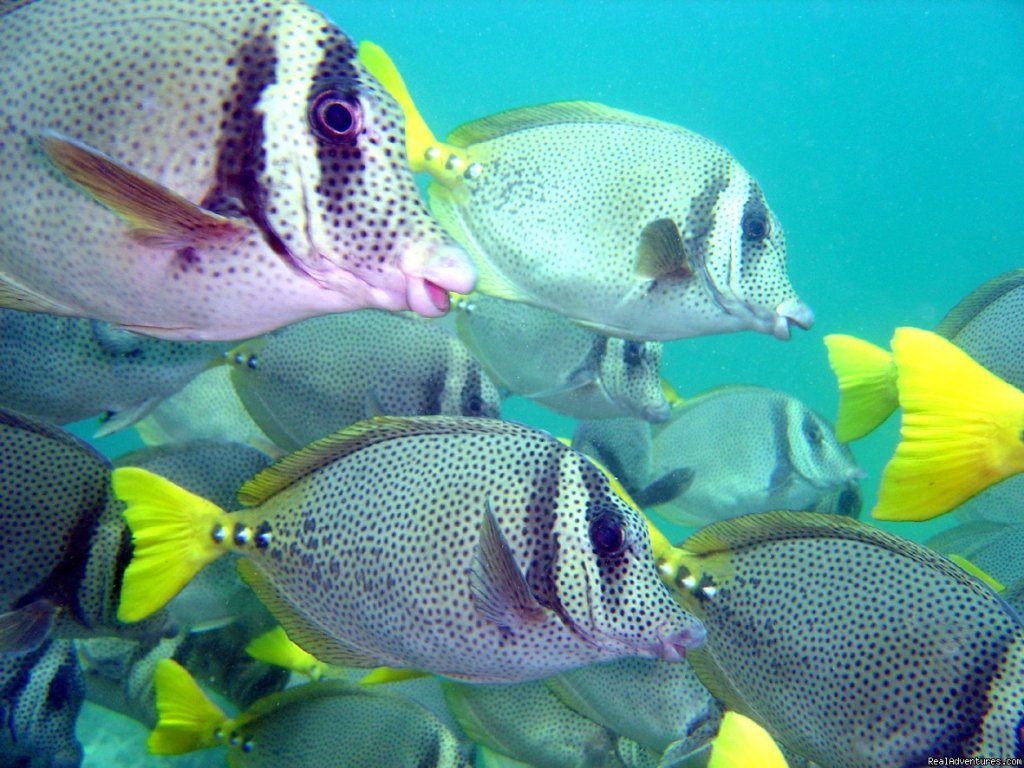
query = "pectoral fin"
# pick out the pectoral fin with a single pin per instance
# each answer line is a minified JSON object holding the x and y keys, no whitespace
{"x":157,"y":216}
{"x":26,"y":628}
{"x":661,"y":251}
{"x":498,"y":587}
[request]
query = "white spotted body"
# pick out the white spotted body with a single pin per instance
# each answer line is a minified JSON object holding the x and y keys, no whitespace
{"x":228,"y":120}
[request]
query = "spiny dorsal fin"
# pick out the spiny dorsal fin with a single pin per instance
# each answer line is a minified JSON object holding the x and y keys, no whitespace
{"x":557,"y":113}
{"x":978,"y":300}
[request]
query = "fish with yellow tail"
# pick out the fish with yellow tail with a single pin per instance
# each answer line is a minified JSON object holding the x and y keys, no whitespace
{"x":472,"y":548}
{"x":962,"y":429}
{"x":742,"y":743}
{"x":300,"y":725}
{"x":986,"y":324}
{"x":854,"y":648}
{"x":239,"y":170}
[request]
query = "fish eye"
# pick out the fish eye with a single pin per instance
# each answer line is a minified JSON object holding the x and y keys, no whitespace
{"x":632,"y":353}
{"x":335,"y":118}
{"x":474,"y":405}
{"x":755,"y":225}
{"x":607,"y":536}
{"x":813,"y":433}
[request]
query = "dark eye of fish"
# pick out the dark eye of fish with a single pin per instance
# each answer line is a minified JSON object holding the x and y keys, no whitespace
{"x":812,"y":433}
{"x":336,"y":118}
{"x":632,"y":352}
{"x":606,"y":536}
{"x":474,"y":404}
{"x":755,"y":225}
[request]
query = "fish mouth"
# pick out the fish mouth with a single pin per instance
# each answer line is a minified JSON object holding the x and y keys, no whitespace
{"x":789,"y":313}
{"x":673,"y":645}
{"x":656,"y":413}
{"x":434,"y":271}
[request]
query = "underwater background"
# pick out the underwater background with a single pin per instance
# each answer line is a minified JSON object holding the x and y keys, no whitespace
{"x":887,"y":137}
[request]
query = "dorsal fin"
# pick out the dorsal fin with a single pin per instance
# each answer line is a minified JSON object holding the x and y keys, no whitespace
{"x":559,"y":112}
{"x":354,"y":438}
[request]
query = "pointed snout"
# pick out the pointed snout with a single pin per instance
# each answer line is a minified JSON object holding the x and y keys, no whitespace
{"x":789,"y":313}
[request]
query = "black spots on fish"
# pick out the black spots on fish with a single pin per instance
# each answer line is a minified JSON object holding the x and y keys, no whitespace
{"x":701,"y":214}
{"x":632,"y":353}
{"x":762,"y":257}
{"x":607,"y":536}
{"x":60,"y":692}
{"x":336,"y":117}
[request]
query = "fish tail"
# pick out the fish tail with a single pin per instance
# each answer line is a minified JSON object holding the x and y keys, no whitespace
{"x":275,"y":647}
{"x":962,"y":429}
{"x":742,"y":743}
{"x":867,"y":385}
{"x":172,"y":536}
{"x":187,"y":719}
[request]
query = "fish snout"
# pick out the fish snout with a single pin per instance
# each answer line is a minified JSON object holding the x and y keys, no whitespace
{"x":673,"y":644}
{"x":656,"y":413}
{"x":432,"y":272}
{"x":789,"y":313}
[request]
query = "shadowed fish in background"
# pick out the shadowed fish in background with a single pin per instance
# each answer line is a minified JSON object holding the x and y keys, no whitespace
{"x":211,"y":171}
{"x":543,"y":356}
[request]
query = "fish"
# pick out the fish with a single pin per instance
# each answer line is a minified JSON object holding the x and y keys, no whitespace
{"x":472,"y":548}
{"x":63,"y":540}
{"x":997,"y":549}
{"x":207,"y":408}
{"x":545,"y":357}
{"x":629,"y":226}
{"x":745,"y":449}
{"x":661,"y":706}
{"x":231,"y":169}
{"x":986,"y":324}
{"x":313,"y":378}
{"x":851,"y":646}
{"x":41,"y":694}
{"x":528,"y":723}
{"x":64,"y":369}
{"x":300,"y":724}
{"x":961,"y":429}
{"x":214,"y":469}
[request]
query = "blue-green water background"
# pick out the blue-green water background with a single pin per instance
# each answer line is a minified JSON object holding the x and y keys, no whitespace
{"x":887,"y":137}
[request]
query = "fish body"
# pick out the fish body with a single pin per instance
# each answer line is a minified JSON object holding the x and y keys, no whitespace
{"x":65,"y":369}
{"x":658,"y":705}
{"x":199,"y":170}
{"x":748,"y":449}
{"x":630,"y":226}
{"x":41,"y":694}
{"x":851,"y":646}
{"x":63,"y":541}
{"x":472,"y":548}
{"x":313,"y":378}
{"x":300,"y":727}
{"x":543,"y":356}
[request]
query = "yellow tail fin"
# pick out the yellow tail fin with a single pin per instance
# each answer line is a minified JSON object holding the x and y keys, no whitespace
{"x":867,"y":385}
{"x":172,"y":534}
{"x":742,"y":743}
{"x":274,"y":647}
{"x":962,"y":430}
{"x":447,"y":164}
{"x":384,"y":675}
{"x":187,"y":719}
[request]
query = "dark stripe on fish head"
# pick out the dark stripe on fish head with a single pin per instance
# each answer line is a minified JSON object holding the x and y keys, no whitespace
{"x":631,"y":373}
{"x":782,"y":469}
{"x":699,"y":228}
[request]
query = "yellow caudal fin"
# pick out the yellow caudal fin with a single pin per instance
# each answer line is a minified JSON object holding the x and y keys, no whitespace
{"x":962,"y":429}
{"x":742,"y":743}
{"x":187,"y":719}
{"x":274,"y":647}
{"x":867,"y":385}
{"x":172,"y":536}
{"x":447,"y":164}
{"x":385,"y":675}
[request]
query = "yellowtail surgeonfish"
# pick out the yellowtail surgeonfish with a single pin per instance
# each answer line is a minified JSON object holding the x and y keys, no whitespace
{"x":630,"y":226}
{"x":313,"y":378}
{"x":205,"y":170}
{"x":853,"y":647}
{"x":330,"y":723}
{"x":472,"y":548}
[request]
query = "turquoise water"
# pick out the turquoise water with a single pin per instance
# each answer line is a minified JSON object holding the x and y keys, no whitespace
{"x":887,"y":137}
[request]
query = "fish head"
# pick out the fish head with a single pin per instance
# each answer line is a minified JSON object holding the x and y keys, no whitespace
{"x":467,"y":389}
{"x":329,"y":185}
{"x":631,"y":375}
{"x":742,"y":246}
{"x":607,"y":587}
{"x":814,"y":452}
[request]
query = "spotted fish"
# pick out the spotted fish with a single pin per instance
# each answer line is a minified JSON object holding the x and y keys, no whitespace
{"x":543,"y":356}
{"x":473,"y":548}
{"x":630,"y":226}
{"x":198,"y":170}
{"x":313,"y":378}
{"x":65,"y":369}
{"x":853,"y":647}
